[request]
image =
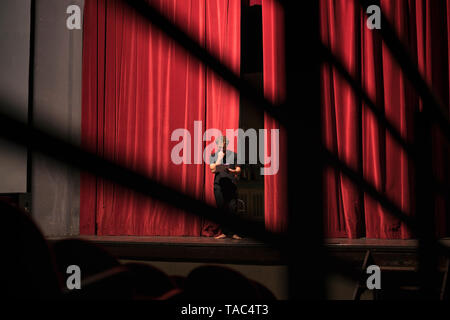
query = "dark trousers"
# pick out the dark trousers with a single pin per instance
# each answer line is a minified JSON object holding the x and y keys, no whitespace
{"x":225,"y":193}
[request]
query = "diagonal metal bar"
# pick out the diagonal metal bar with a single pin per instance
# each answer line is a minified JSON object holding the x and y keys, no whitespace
{"x":328,"y":56}
{"x":392,"y":209}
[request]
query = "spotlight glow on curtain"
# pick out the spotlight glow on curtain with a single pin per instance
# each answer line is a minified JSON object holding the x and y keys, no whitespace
{"x":275,"y":186}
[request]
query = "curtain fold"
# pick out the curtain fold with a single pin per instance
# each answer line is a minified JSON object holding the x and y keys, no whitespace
{"x":275,"y":186}
{"x":138,"y":87}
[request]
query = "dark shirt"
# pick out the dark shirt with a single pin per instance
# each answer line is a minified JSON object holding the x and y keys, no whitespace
{"x":230,"y":158}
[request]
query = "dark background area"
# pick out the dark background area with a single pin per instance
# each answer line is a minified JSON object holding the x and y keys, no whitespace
{"x":251,"y":186}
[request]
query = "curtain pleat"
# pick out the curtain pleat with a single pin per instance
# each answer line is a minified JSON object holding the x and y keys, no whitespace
{"x":275,"y":186}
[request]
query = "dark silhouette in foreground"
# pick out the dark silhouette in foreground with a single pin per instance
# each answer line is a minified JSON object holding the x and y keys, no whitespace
{"x":37,"y":271}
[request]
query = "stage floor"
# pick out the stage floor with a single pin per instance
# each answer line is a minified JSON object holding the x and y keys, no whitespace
{"x":387,"y":253}
{"x":192,"y":249}
{"x":171,"y":240}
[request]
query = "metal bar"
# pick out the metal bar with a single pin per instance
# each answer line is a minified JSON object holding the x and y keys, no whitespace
{"x":304,"y":135}
{"x":31,"y":89}
{"x":427,"y":250}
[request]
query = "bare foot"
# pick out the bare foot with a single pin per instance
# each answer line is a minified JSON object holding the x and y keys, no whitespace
{"x":221,"y":236}
{"x":235,"y":236}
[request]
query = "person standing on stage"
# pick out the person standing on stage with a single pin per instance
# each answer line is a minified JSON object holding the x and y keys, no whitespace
{"x":223,"y":164}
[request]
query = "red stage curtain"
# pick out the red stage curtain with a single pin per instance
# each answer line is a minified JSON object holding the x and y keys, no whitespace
{"x":275,"y":186}
{"x":340,"y":115}
{"x":385,"y":164}
{"x":424,"y":27}
{"x":139,"y":86}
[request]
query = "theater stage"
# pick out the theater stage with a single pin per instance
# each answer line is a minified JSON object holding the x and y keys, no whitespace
{"x":389,"y":254}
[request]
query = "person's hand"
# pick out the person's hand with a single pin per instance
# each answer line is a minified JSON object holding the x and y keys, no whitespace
{"x":235,"y":172}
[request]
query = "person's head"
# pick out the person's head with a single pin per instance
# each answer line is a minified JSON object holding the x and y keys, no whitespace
{"x":222,"y":142}
{"x":230,"y":284}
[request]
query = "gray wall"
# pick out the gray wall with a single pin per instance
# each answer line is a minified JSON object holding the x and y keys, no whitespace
{"x":14,"y":62}
{"x":57,"y":106}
